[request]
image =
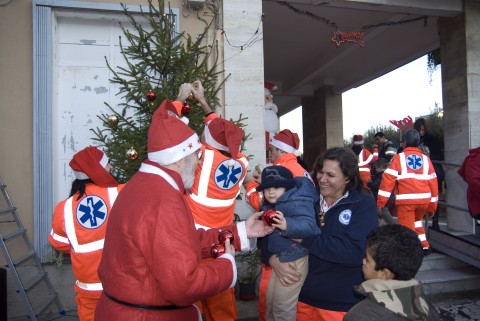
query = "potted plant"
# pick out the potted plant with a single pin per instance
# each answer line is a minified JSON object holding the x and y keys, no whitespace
{"x":248,"y":271}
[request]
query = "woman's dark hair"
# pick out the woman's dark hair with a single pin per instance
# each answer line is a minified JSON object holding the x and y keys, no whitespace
{"x":78,"y":185}
{"x":348,"y":164}
{"x":419,"y":123}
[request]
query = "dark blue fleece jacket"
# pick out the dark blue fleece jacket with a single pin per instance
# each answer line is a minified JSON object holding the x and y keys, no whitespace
{"x":336,"y":255}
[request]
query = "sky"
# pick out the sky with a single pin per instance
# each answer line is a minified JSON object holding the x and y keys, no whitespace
{"x":406,"y":91}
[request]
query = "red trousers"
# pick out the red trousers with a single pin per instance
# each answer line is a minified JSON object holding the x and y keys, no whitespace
{"x":411,"y":216}
{"x":306,"y":312}
{"x":262,"y":292}
{"x":220,"y":307}
{"x":86,"y":303}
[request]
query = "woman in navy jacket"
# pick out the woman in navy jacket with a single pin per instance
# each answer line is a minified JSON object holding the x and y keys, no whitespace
{"x":346,"y":216}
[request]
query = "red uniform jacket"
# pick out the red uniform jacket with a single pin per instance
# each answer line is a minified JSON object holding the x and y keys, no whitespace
{"x":153,"y":253}
{"x":217,"y":185}
{"x":412,"y":175}
{"x":365,"y":159}
{"x":78,"y":228}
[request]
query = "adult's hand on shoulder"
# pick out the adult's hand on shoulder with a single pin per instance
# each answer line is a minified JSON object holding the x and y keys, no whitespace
{"x":286,"y":272}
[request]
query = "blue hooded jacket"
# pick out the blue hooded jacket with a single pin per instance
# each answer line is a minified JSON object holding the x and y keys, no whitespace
{"x":299,"y":206}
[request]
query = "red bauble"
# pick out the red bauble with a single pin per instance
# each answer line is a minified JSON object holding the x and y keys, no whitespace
{"x":186,"y":109}
{"x":224,"y":235}
{"x":217,"y":250}
{"x":151,"y":96}
{"x":268,"y":215}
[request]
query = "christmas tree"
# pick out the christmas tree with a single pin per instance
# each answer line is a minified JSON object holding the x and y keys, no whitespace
{"x":158,"y":61}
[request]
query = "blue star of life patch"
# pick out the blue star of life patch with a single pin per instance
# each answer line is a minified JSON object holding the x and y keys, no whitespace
{"x":414,"y":161}
{"x":226,"y":176}
{"x":345,"y":217}
{"x":91,"y":212}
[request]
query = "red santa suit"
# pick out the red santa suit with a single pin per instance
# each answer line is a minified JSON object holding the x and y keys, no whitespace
{"x":218,"y":180}
{"x":79,"y":224}
{"x":151,"y":268}
{"x":412,"y":177}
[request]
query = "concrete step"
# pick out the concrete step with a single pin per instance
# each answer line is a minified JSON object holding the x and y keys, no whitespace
{"x":439,"y":261}
{"x":443,"y":274}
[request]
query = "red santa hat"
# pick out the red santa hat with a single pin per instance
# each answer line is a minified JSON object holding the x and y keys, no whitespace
{"x":224,"y":135}
{"x":287,"y":141}
{"x":270,"y":86}
{"x":169,"y":139}
{"x":358,"y":140}
{"x":89,"y":163}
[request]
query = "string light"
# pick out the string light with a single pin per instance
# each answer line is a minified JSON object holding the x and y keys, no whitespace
{"x":340,"y":37}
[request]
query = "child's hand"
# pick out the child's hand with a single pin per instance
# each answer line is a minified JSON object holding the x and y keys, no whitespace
{"x":280,"y":221}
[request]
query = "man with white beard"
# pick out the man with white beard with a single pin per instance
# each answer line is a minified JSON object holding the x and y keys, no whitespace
{"x":151,"y":267}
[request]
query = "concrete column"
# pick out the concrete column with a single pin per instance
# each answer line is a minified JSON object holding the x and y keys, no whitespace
{"x":322,"y":123}
{"x":244,"y":93}
{"x":460,"y":49}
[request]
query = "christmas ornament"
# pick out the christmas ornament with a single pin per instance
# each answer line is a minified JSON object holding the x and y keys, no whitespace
{"x":151,"y":96}
{"x":112,"y":120}
{"x":268,"y":215}
{"x":191,"y":98}
{"x":217,"y":250}
{"x":132,"y":154}
{"x":185,"y":109}
{"x":224,"y":235}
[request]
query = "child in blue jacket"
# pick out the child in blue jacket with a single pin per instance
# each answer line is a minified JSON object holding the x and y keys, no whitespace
{"x":295,"y":200}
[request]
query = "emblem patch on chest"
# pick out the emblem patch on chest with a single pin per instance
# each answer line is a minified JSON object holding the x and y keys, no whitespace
{"x":226,"y":176}
{"x":414,"y":161}
{"x":345,"y":217}
{"x":91,"y":212}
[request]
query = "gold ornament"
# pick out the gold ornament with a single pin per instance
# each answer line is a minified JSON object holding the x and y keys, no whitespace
{"x":132,"y":154}
{"x":112,"y":120}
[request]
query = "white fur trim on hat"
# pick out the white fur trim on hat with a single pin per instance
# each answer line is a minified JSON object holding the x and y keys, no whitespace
{"x":285,"y":147}
{"x":81,"y":175}
{"x":176,"y":153}
{"x":212,"y":142}
{"x":358,"y":142}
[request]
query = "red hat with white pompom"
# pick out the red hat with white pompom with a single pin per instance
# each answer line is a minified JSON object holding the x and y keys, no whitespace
{"x":90,"y":163}
{"x":287,"y":141}
{"x":358,"y":140}
{"x":224,"y":135}
{"x":169,"y":139}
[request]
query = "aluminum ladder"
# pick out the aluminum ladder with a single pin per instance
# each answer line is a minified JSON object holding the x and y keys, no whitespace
{"x":22,"y":262}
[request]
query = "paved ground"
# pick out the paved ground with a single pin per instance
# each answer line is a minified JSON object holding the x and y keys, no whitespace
{"x":452,"y":307}
{"x":458,"y":306}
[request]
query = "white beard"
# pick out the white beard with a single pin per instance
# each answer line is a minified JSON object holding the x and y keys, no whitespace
{"x":188,"y":171}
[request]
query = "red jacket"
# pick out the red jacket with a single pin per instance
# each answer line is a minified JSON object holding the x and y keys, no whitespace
{"x":413,"y":177}
{"x":216,"y":186}
{"x":365,"y":159}
{"x":470,"y":172}
{"x":153,"y":253}
{"x":78,"y":228}
{"x":289,"y":161}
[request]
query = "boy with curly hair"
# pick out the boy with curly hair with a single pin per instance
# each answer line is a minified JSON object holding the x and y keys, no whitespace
{"x":394,"y":255}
